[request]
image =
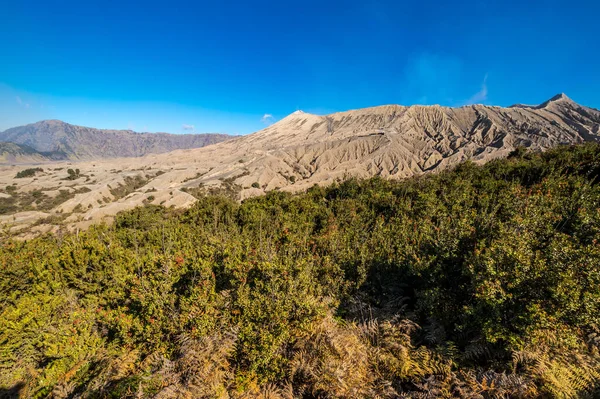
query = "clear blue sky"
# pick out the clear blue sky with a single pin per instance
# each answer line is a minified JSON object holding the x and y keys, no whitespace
{"x":220,"y":66}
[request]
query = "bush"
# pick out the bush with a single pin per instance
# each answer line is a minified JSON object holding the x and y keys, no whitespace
{"x":73,"y":174}
{"x":28,"y":173}
{"x":130,"y":185}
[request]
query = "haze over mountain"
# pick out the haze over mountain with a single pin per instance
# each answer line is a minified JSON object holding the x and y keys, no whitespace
{"x":20,"y":154}
{"x":56,"y":140}
{"x":301,"y":150}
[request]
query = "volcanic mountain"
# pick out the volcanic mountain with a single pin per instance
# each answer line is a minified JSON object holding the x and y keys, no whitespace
{"x":391,"y":141}
{"x":57,"y":140}
{"x":301,"y":150}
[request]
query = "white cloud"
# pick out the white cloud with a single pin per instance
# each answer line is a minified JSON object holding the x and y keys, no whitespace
{"x":188,"y":127}
{"x":267,"y":118}
{"x":481,"y":95}
{"x":21,"y":103}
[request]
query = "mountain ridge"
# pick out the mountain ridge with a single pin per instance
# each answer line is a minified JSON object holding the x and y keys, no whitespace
{"x":86,"y":143}
{"x":397,"y":141}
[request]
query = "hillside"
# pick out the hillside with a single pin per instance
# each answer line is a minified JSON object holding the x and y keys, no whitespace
{"x":301,"y":150}
{"x":66,"y":141}
{"x":480,"y":282}
{"x":392,"y":141}
{"x":20,"y":154}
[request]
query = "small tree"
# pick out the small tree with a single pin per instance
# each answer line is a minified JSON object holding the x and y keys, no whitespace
{"x":73,"y":174}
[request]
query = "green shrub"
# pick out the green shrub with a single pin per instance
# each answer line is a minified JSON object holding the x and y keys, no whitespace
{"x":28,"y":173}
{"x":130,"y":185}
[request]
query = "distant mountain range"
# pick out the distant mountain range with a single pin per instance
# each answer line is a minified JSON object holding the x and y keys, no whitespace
{"x":57,"y":140}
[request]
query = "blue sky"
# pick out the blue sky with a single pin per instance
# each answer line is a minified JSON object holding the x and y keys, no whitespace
{"x":222,"y":66}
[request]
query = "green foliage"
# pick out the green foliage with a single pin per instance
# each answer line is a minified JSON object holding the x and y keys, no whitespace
{"x":8,"y":206}
{"x":129,"y":185}
{"x":28,"y":172}
{"x":477,"y":282}
{"x":73,"y":174}
{"x":36,"y":199}
{"x":228,"y":189}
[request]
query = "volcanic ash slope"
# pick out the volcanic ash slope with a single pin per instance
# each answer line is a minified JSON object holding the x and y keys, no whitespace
{"x":390,"y":141}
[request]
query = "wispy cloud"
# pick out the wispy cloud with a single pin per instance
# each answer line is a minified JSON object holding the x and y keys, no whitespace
{"x":267,"y":118}
{"x":21,"y":103}
{"x":481,"y":96}
{"x":188,"y":128}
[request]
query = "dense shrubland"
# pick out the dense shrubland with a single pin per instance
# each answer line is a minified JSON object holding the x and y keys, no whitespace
{"x":481,"y":282}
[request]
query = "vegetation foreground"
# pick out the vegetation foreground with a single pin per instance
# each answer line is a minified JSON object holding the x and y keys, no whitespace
{"x":481,"y":282}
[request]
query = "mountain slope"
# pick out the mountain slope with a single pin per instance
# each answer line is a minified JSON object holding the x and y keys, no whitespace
{"x":14,"y":153}
{"x":392,"y":141}
{"x":66,"y":141}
